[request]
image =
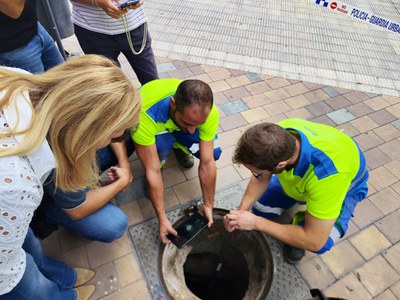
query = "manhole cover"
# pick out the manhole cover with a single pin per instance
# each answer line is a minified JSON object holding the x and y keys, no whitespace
{"x":287,"y":284}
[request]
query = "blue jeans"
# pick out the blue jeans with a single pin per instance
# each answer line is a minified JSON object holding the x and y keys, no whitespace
{"x":39,"y":55}
{"x":44,"y":277}
{"x":106,"y":224}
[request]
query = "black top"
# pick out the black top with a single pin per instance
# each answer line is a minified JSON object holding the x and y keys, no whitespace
{"x":15,"y":33}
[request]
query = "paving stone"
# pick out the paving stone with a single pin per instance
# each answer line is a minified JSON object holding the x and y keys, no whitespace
{"x":128,"y":269}
{"x":254,"y":77}
{"x":395,"y":288}
{"x":257,"y":88}
{"x":387,"y":132}
{"x":101,"y":253}
{"x":377,"y":275}
{"x":197,"y":70}
{"x":235,"y":82}
{"x":136,"y":290}
{"x":370,"y":242}
{"x":233,"y":107}
{"x":276,"y":95}
{"x":382,"y":117}
{"x":338,"y":102}
{"x":277,"y":108}
{"x":391,"y":99}
{"x":296,"y":89}
{"x":165,"y":67}
{"x":318,"y":109}
{"x":229,"y":138}
{"x":237,"y":93}
{"x":219,"y":74}
{"x":386,"y":295}
{"x":277,"y":82}
{"x":376,"y":158}
{"x":202,"y":77}
{"x":391,"y":149}
{"x":392,"y":255}
{"x":396,"y":124}
{"x":219,"y":86}
{"x":342,"y":259}
{"x":348,"y":129}
{"x":355,"y":96}
{"x":133,"y":212}
{"x":255,"y":101}
{"x":364,"y":124}
{"x":316,"y":96}
{"x":315,"y":273}
{"x":389,"y":226}
{"x":297,"y":101}
{"x":172,"y":176}
{"x":232,"y":121}
{"x":366,"y":213}
{"x":340,"y":116}
{"x":313,"y":86}
{"x":106,"y":280}
{"x":349,"y":288}
{"x":359,"y":109}
{"x":377,"y":103}
{"x":255,"y":114}
{"x":381,"y":178}
{"x":394,"y":167}
{"x":395,"y":110}
{"x":324,"y":120}
{"x":299,"y":113}
{"x":368,"y":140}
{"x":330,"y":91}
{"x":220,"y":98}
{"x":226,"y":157}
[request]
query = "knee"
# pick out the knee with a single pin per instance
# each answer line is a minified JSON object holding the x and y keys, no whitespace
{"x":328,"y":246}
{"x":114,"y":229}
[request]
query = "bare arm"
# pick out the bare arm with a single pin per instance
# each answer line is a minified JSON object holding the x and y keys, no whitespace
{"x":97,"y":198}
{"x":207,"y":177}
{"x":255,"y":189}
{"x":312,"y":236}
{"x":12,"y":8}
{"x":121,"y":177}
{"x":151,"y":162}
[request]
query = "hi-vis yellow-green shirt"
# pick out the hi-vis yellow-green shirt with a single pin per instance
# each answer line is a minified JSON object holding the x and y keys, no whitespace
{"x":154,"y":116}
{"x":329,"y":161}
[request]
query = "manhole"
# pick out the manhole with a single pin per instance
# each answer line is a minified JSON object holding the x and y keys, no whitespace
{"x":286,"y":284}
{"x":218,"y":265}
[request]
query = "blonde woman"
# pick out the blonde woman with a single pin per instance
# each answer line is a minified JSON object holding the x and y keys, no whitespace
{"x":54,"y":120}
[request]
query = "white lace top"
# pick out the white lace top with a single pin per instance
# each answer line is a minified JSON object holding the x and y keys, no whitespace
{"x":21,"y":191}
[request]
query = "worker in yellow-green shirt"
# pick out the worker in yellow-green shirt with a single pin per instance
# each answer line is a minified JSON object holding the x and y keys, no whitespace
{"x":180,"y":116}
{"x":299,"y":162}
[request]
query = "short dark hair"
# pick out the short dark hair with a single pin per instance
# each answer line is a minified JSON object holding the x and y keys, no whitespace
{"x":193,"y":91}
{"x":264,"y":146}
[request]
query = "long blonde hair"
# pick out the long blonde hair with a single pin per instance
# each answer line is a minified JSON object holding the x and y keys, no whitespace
{"x":76,"y":105}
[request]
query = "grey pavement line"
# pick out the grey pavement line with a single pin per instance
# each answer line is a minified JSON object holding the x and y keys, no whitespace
{"x":297,"y":40}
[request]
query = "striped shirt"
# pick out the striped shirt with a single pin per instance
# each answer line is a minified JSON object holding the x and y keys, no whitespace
{"x":95,"y":19}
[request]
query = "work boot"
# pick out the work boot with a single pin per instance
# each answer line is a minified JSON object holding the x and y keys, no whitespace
{"x":292,"y":255}
{"x":84,"y":292}
{"x":185,"y":160}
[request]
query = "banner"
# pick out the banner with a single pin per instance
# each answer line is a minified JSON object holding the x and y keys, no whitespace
{"x":361,"y":15}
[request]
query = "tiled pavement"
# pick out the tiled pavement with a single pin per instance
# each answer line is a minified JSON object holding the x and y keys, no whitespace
{"x":364,"y":265}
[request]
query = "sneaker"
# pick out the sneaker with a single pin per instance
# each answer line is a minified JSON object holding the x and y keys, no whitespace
{"x":292,"y":255}
{"x":185,"y":160}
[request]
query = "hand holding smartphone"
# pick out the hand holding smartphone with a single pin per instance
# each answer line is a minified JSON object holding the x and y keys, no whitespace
{"x":188,"y":230}
{"x":128,"y":3}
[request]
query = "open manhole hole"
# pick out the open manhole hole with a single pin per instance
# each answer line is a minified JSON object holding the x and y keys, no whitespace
{"x":218,"y":265}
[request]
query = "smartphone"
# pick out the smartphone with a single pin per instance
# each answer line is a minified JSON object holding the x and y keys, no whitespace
{"x":128,"y":3}
{"x":188,"y":230}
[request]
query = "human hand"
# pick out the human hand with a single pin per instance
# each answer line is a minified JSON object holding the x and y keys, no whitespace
{"x":240,"y":219}
{"x":110,"y":8}
{"x":123,"y":175}
{"x":165,"y":227}
{"x":134,"y":6}
{"x":207,"y":212}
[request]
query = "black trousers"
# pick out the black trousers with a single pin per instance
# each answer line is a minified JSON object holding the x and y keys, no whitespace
{"x":111,"y":46}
